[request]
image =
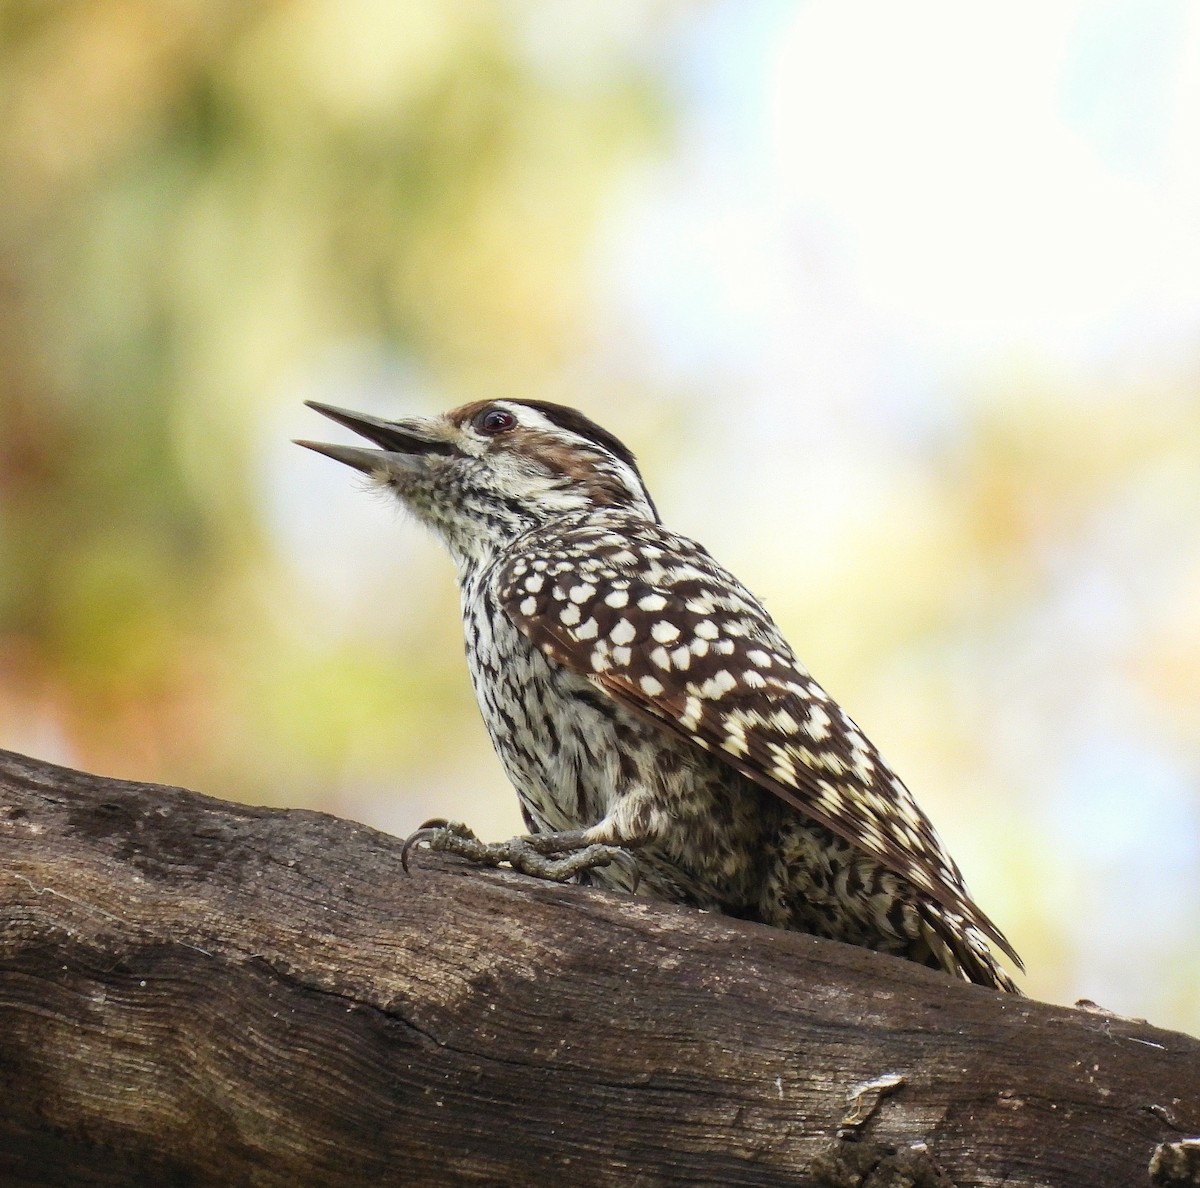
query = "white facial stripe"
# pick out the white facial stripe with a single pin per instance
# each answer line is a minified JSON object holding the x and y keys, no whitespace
{"x":532,"y":418}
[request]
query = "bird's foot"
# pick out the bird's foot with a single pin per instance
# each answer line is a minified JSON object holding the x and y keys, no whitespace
{"x":555,"y":856}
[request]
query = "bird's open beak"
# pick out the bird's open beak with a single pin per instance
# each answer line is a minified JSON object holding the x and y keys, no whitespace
{"x":399,"y":441}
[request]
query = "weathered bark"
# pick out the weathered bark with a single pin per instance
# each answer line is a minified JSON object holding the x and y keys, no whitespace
{"x":196,"y":992}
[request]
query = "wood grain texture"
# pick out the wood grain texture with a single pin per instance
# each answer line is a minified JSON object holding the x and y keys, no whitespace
{"x":196,"y":992}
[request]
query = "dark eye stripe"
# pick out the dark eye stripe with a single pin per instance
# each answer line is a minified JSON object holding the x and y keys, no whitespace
{"x":574,"y":421}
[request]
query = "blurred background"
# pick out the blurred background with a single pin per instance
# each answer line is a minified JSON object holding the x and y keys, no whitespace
{"x":898,"y":304}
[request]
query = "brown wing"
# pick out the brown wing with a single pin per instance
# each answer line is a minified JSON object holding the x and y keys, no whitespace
{"x":655,"y":623}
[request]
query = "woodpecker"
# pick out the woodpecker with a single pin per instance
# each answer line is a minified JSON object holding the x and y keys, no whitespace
{"x":660,"y":732}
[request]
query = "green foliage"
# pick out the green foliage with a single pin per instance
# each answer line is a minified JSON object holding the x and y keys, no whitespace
{"x":202,"y":201}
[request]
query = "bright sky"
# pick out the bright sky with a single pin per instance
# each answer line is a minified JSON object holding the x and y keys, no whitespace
{"x":979,"y":179}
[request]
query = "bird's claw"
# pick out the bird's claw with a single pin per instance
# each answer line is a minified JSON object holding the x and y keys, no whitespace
{"x":558,"y":857}
{"x":430,"y":834}
{"x":623,"y":858}
{"x":563,"y":865}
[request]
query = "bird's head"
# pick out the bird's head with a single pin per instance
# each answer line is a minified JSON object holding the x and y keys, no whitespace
{"x":484,"y":473}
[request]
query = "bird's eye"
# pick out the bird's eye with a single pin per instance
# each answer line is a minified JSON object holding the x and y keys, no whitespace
{"x":495,"y":420}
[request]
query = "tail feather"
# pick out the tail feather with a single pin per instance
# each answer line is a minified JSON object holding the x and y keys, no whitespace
{"x":962,"y":950}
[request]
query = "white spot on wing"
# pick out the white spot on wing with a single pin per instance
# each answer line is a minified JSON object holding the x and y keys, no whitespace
{"x":830,"y":797}
{"x":783,"y":768}
{"x":784,"y":722}
{"x":818,"y":723}
{"x":717,"y":685}
{"x":692,"y":710}
{"x":623,"y":633}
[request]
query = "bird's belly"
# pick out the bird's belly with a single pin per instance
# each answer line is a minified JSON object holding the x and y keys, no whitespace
{"x":557,"y":748}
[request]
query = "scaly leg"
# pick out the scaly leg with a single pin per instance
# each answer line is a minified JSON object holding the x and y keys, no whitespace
{"x":556,"y":856}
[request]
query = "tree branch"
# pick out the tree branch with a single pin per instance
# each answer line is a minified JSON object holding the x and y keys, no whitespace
{"x":198,"y":992}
